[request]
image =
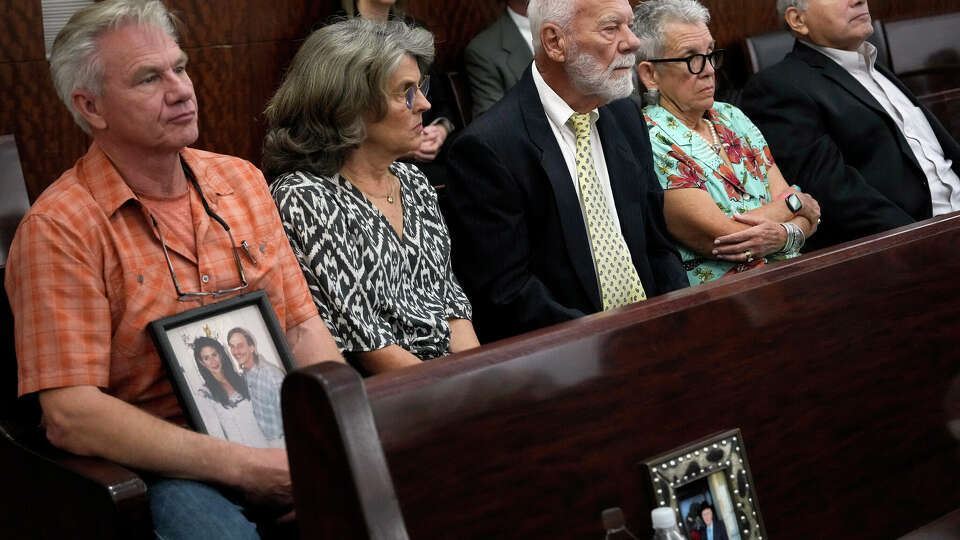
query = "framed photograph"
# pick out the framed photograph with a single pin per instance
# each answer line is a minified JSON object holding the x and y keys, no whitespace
{"x":227,"y":361}
{"x":708,"y":484}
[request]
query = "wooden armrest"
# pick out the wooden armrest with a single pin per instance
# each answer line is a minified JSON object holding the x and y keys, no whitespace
{"x":49,"y":493}
{"x":945,"y":528}
{"x":334,"y":447}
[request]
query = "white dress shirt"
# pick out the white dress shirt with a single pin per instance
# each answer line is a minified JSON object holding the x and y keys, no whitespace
{"x":943,"y":182}
{"x":523,"y":25}
{"x":558,"y":113}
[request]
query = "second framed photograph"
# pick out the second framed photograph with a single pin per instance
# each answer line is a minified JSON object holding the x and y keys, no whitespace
{"x":709,"y":486}
{"x":227,"y":362}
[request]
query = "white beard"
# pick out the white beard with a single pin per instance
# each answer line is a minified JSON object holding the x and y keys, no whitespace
{"x":591,"y":79}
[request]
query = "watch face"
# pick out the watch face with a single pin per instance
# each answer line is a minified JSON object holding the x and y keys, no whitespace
{"x":793,"y":203}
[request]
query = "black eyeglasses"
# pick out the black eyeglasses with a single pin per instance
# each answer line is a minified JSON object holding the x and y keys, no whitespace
{"x":697,"y":62}
{"x":411,"y":93}
{"x":187,"y":296}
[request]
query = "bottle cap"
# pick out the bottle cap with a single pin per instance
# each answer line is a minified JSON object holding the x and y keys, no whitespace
{"x":663,"y":518}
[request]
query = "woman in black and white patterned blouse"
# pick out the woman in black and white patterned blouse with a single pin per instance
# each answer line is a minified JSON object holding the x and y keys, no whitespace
{"x":366,"y":228}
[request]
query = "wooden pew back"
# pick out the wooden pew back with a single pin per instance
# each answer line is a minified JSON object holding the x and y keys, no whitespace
{"x":837,"y":367}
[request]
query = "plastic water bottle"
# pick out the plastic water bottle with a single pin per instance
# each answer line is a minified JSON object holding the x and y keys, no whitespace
{"x":615,"y":525}
{"x":665,"y":524}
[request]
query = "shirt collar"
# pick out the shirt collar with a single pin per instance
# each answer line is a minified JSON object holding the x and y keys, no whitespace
{"x":523,"y":23}
{"x":558,"y":112}
{"x":862,"y":59}
{"x":111,"y":192}
{"x":679,"y":134}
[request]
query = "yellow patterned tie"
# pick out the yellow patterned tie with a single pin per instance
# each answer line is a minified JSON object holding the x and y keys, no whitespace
{"x":619,"y":283}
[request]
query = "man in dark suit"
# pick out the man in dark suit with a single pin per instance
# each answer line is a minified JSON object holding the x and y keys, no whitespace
{"x":713,"y":528}
{"x":554,"y":207}
{"x":844,"y":129}
{"x":497,"y":57}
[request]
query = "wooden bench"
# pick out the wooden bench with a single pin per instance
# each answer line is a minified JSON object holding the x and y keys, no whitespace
{"x":837,"y":367}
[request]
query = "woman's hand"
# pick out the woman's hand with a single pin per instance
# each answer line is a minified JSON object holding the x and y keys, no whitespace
{"x":433,"y":138}
{"x":762,"y":238}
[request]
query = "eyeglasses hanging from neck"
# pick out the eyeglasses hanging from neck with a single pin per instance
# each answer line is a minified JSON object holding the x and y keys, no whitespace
{"x":186,"y":296}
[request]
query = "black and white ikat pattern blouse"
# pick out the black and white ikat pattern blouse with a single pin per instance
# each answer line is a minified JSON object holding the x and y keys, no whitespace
{"x":372,"y":288}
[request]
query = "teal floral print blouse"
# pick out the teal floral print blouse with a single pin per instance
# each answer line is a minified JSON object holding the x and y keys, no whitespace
{"x":682,"y":159}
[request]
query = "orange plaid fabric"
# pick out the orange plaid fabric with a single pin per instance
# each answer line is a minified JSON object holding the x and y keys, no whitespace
{"x":86,"y":274}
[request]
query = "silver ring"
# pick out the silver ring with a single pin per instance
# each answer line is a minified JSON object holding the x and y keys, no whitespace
{"x":749,"y":255}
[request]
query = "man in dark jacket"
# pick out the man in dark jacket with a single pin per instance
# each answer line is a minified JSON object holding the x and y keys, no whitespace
{"x":555,"y":208}
{"x":844,"y":129}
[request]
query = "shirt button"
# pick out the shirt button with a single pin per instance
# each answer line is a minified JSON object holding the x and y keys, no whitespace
{"x":205,"y":278}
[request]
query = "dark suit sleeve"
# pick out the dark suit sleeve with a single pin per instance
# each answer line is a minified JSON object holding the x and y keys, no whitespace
{"x":665,"y":262}
{"x":486,"y":86}
{"x":492,"y":251}
{"x":662,"y":253}
{"x":809,"y":157}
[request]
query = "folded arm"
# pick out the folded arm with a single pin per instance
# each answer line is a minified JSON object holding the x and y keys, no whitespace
{"x":694,"y":219}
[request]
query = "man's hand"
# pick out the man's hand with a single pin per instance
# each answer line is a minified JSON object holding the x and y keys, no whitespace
{"x":265,"y":478}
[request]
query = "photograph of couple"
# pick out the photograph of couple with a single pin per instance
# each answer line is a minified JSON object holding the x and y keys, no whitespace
{"x":233,"y":375}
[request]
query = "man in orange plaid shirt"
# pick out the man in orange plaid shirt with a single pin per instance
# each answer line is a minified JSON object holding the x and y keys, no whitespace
{"x":88,"y":271}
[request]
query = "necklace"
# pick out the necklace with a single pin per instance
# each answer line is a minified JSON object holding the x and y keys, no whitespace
{"x":389,"y":196}
{"x":716,"y":145}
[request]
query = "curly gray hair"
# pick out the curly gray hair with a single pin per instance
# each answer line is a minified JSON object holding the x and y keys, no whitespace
{"x":652,"y":17}
{"x":338,"y":77}
{"x":75,"y":58}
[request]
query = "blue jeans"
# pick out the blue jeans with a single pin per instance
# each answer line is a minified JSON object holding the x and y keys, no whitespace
{"x":184,"y":509}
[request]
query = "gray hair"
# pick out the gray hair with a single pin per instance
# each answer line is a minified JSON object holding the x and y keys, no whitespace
{"x":782,"y":6}
{"x":541,"y":12}
{"x":337,"y":78}
{"x":75,"y":58}
{"x":650,"y":19}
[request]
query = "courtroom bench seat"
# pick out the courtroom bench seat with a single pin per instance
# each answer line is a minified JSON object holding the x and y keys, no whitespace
{"x":835,"y":366}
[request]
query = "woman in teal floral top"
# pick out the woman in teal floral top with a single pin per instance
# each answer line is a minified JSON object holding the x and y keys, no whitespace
{"x":725,"y":200}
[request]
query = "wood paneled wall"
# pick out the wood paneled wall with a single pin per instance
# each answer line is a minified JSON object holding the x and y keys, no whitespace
{"x":239,"y":49}
{"x":238,"y":52}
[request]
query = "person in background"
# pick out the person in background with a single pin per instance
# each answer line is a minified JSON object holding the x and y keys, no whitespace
{"x":440,"y":120}
{"x":725,"y":201}
{"x":141,"y":228}
{"x":497,"y":57}
{"x":847,"y":130}
{"x":555,"y":210}
{"x":366,"y":228}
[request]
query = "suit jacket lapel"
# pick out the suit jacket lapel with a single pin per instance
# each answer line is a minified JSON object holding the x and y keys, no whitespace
{"x":568,"y":205}
{"x":845,"y":80}
{"x":518,"y":52}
